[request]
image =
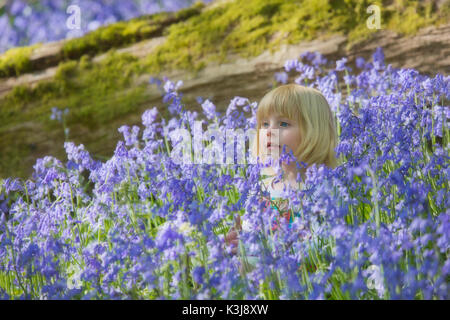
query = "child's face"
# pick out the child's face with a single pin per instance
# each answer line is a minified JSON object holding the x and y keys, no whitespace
{"x":281,"y":131}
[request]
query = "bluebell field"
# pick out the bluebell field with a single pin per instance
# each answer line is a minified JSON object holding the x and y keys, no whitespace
{"x":140,"y":226}
{"x":29,"y":22}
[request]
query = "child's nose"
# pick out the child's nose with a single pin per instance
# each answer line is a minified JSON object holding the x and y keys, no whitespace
{"x":271,"y":130}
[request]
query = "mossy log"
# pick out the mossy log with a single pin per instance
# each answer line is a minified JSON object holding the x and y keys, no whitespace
{"x":231,"y":48}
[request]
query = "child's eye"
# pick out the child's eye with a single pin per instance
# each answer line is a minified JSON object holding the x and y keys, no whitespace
{"x":264,"y":124}
{"x":286,"y":124}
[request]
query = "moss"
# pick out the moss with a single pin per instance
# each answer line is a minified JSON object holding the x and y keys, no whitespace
{"x":66,"y":70}
{"x":414,"y":16}
{"x":13,"y":155}
{"x":95,"y":94}
{"x":196,"y":37}
{"x":107,"y":37}
{"x":405,"y":17}
{"x":125,"y":32}
{"x":186,"y":13}
{"x":16,"y":61}
{"x":248,"y":28}
{"x":90,"y":91}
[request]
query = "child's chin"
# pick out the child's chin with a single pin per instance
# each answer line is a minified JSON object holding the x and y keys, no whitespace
{"x":269,"y":156}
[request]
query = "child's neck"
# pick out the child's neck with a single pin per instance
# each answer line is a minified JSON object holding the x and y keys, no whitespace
{"x":289,"y":178}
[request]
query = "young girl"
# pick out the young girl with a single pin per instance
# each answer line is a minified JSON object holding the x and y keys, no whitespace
{"x":300,"y":120}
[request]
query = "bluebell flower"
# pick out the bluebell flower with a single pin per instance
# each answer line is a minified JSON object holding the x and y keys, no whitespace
{"x":281,"y":77}
{"x":378,"y":58}
{"x":144,"y":212}
{"x":291,"y":65}
{"x":149,"y":116}
{"x":360,"y":63}
{"x":56,"y":114}
{"x":340,"y":64}
{"x":197,"y":274}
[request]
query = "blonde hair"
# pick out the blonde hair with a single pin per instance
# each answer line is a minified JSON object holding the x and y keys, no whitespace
{"x":307,"y":106}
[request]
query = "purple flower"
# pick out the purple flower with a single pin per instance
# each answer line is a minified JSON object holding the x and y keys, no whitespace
{"x":197,"y":274}
{"x":149,"y":116}
{"x":340,"y":64}
{"x":281,"y":77}
{"x":360,"y":63}
{"x":131,"y":138}
{"x":166,"y":237}
{"x":291,"y":65}
{"x":378,"y":58}
{"x":79,"y":156}
{"x":11,"y":184}
{"x":169,"y":86}
{"x":56,"y":114}
{"x":209,"y":109}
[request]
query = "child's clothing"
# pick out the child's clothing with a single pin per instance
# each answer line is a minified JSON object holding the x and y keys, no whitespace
{"x":276,"y":196}
{"x":279,"y":196}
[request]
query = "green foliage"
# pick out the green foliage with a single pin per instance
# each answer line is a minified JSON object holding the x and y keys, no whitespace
{"x":94,"y":93}
{"x":125,"y":32}
{"x":16,"y":61}
{"x":104,"y":38}
{"x":196,"y":37}
{"x":409,"y":16}
{"x":248,"y":28}
{"x":81,"y":86}
{"x":12,"y":153}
